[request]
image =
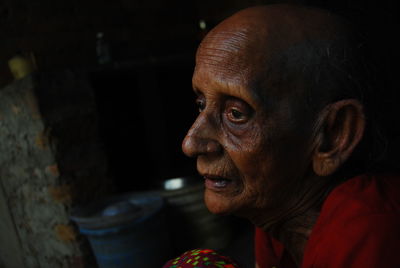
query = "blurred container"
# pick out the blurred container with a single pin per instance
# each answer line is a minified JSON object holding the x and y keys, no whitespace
{"x":128,"y":230}
{"x":190,"y":223}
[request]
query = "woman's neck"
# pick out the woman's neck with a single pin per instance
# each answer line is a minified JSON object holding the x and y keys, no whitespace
{"x":294,"y":234}
{"x":294,"y":224}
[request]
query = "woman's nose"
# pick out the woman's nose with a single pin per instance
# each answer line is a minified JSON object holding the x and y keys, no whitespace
{"x":200,"y":139}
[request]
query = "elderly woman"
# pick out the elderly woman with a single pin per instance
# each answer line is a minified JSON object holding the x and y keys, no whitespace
{"x":284,"y":136}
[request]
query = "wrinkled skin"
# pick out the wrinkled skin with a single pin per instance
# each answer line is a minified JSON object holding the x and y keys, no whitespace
{"x":252,"y":134}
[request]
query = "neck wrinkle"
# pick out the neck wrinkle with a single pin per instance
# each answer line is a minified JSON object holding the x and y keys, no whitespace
{"x":293,"y":227}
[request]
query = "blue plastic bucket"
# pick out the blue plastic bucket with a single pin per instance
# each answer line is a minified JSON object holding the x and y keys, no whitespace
{"x":126,"y":231}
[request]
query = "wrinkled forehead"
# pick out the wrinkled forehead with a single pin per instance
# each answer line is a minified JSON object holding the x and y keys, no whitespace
{"x":258,"y":47}
{"x":226,"y":54}
{"x":238,"y":57}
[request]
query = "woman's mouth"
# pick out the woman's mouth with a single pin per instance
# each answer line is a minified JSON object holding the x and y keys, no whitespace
{"x":216,"y":183}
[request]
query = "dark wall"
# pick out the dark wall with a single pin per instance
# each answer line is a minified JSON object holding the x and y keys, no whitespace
{"x":145,"y":110}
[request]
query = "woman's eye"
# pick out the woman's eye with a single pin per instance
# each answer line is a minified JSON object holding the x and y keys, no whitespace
{"x":201,"y":105}
{"x":237,"y":111}
{"x":236,"y":116}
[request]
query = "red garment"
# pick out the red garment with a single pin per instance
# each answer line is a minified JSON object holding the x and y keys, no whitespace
{"x":358,"y":227}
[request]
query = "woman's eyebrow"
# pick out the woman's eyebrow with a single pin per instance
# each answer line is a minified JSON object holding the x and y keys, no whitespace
{"x":197,"y":91}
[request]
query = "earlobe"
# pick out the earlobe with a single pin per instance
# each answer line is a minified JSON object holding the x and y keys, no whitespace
{"x":323,"y":166}
{"x":343,"y":128}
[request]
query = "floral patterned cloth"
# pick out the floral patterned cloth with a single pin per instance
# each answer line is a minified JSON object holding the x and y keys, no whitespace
{"x":201,"y":258}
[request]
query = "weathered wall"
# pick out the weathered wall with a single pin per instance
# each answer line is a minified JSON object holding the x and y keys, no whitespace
{"x":10,"y":247}
{"x":51,"y":159}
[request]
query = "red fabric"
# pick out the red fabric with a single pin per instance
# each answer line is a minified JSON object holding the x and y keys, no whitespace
{"x":270,"y":253}
{"x":359,"y":227}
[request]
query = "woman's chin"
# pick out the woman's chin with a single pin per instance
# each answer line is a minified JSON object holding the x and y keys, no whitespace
{"x":217,"y":203}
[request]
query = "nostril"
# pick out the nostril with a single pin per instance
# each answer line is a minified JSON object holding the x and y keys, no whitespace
{"x":213,"y":147}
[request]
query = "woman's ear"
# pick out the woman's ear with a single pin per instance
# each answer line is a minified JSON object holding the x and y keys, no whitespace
{"x":343,"y":128}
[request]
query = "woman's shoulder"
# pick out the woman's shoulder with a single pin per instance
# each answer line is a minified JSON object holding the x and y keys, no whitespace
{"x":363,"y":195}
{"x":358,"y":225}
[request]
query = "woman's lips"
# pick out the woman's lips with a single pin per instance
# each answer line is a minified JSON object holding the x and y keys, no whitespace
{"x":216,"y":183}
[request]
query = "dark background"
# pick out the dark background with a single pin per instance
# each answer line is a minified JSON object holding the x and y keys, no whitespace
{"x":144,"y":95}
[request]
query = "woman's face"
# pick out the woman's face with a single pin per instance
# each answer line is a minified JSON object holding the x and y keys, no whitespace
{"x":246,"y":137}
